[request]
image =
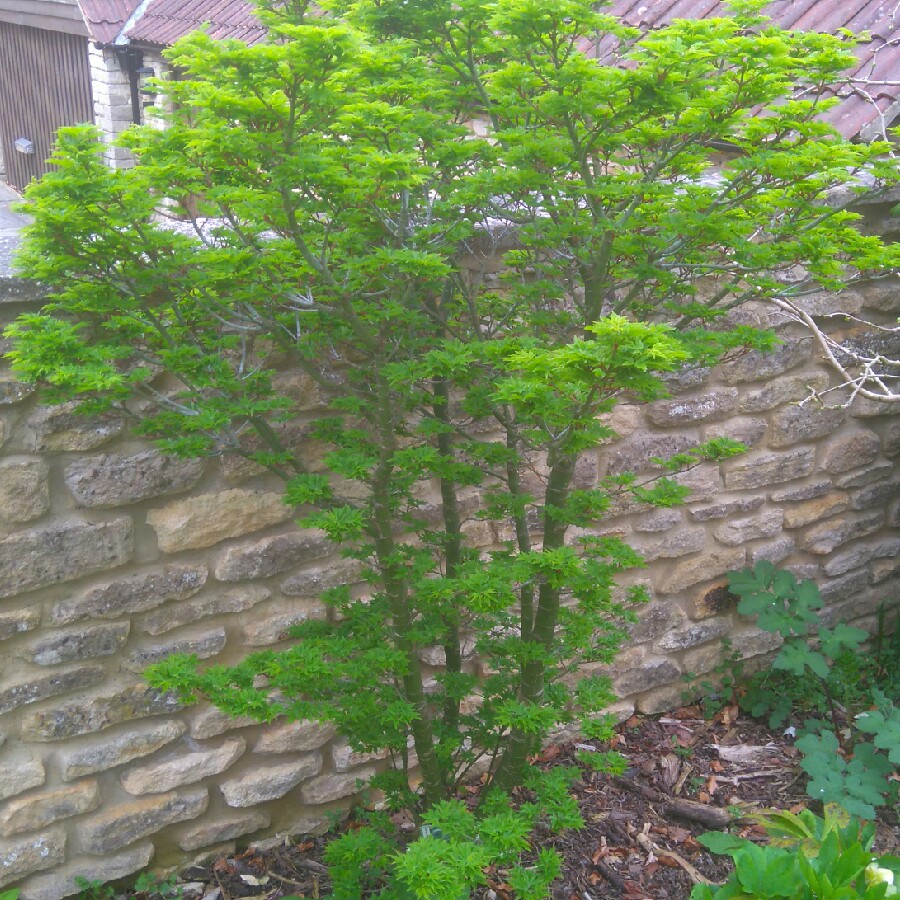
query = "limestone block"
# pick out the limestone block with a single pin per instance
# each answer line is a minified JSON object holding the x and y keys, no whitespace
{"x":882,"y":569}
{"x":802,"y":492}
{"x":216,"y":604}
{"x":95,"y":714}
{"x":705,"y":567}
{"x":830,"y":535}
{"x":795,"y":424}
{"x":774,"y":551}
{"x":826,"y":303}
{"x":704,"y":659}
{"x":118,"y":826}
{"x":882,"y":294}
{"x":633,"y":454}
{"x":704,"y":482}
{"x":678,"y":542}
{"x":236,"y":468}
{"x":269,"y":782}
{"x":211,"y":722}
{"x":63,"y":428}
{"x":850,"y":451}
{"x":711,"y":405}
{"x":22,"y":693}
{"x":859,"y":554}
{"x":726,"y":508}
{"x":62,"y":551}
{"x":136,"y":593}
{"x":24,"y":856}
{"x":650,"y":674}
{"x":98,"y":756}
{"x":746,"y":429}
{"x":301,"y":388}
{"x":692,"y":634}
{"x":24,"y":490}
{"x":738,"y":531}
{"x":755,"y":642}
{"x":875,"y":495}
{"x":37,"y":811}
{"x":654,"y":620}
{"x":312,"y":582}
{"x":76,"y":644}
{"x":64,"y":881}
{"x":19,"y":771}
{"x":18,"y":621}
{"x":272,"y":555}
{"x":755,"y":365}
{"x":660,"y":700}
{"x":760,"y":469}
{"x":221,"y":829}
{"x":188,"y":768}
{"x":810,"y":511}
{"x":891,"y":439}
{"x":346,"y":758}
{"x":335,"y":786}
{"x":657,"y":520}
{"x":875,"y":472}
{"x":713,"y":601}
{"x":688,"y":378}
{"x":114,"y":480}
{"x":208,"y":519}
{"x":893,"y":516}
{"x":783,"y":390}
{"x":12,"y":391}
{"x":275,"y":627}
{"x":838,"y":589}
{"x":295,"y":737}
{"x":624,"y":419}
{"x":864,"y":408}
{"x":587,"y":470}
{"x":203,"y":646}
{"x":864,"y":603}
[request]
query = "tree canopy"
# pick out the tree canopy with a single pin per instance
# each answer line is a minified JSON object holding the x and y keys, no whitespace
{"x":315,"y":203}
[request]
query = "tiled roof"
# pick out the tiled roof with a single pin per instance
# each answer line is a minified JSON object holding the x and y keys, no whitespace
{"x":874,"y":89}
{"x":868,"y":103}
{"x":105,"y":18}
{"x":164,"y":21}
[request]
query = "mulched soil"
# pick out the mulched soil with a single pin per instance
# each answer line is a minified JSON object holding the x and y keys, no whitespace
{"x":685,"y":776}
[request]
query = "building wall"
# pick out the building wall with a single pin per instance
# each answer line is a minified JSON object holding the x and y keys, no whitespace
{"x":112,"y":556}
{"x":113,"y":111}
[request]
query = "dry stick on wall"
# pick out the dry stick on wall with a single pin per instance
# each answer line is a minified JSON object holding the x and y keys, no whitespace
{"x":832,"y":349}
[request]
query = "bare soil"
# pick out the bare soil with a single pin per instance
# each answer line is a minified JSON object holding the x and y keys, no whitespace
{"x":686,"y":775}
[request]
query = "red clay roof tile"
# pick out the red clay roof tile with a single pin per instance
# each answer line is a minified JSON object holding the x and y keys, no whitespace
{"x":874,"y":84}
{"x":164,"y":21}
{"x":105,"y":18}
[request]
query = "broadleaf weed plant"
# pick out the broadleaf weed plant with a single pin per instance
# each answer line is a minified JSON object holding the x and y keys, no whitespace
{"x":808,"y":858}
{"x":823,"y":675}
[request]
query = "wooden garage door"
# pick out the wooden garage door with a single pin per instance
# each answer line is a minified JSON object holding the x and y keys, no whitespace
{"x":44,"y":83}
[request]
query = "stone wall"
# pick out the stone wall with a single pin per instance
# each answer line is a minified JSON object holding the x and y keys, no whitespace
{"x":112,"y":556}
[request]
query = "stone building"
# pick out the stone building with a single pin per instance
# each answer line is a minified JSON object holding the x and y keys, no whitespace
{"x":63,"y":62}
{"x":68,"y":61}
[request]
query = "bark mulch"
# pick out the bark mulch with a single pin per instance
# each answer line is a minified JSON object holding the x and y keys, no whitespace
{"x":686,"y":775}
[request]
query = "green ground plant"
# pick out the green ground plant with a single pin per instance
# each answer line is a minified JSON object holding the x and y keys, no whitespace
{"x":332,"y":193}
{"x":827,"y":858}
{"x":823,"y":675}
